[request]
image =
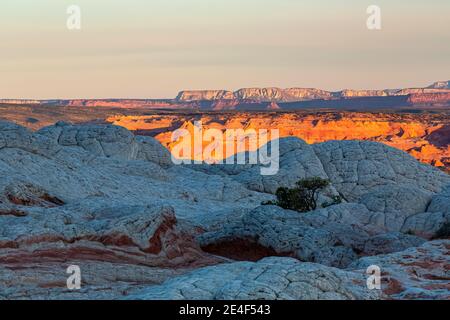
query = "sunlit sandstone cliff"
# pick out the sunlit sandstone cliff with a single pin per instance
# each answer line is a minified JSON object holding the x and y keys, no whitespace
{"x":427,"y":138}
{"x":437,"y":94}
{"x":305,"y":94}
{"x":423,"y":98}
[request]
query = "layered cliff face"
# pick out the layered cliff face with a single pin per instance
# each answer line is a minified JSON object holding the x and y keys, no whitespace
{"x":440,"y":85}
{"x":348,"y":93}
{"x":425,"y":98}
{"x":274,"y":94}
{"x":405,"y":92}
{"x":259,"y":98}
{"x":282,"y":95}
{"x":303,"y":94}
{"x":205,"y":95}
{"x":123,"y":103}
{"x":256,"y":94}
{"x":424,"y":137}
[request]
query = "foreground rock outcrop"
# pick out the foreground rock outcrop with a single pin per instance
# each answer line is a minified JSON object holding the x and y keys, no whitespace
{"x":140,"y":227}
{"x":271,"y":278}
{"x":416,"y":273}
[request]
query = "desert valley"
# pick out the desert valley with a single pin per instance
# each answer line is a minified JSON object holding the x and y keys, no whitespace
{"x":415,"y":120}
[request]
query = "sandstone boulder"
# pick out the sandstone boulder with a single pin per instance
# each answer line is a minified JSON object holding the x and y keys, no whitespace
{"x":441,"y":201}
{"x":426,"y":224}
{"x":151,"y":150}
{"x":13,"y":136}
{"x":101,"y":140}
{"x":396,"y":203}
{"x":356,"y":168}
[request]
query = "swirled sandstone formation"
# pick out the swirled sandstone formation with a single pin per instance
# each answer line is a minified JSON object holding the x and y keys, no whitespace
{"x":141,"y":227}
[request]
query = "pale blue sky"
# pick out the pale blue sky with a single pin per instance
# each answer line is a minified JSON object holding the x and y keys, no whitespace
{"x":154,"y":48}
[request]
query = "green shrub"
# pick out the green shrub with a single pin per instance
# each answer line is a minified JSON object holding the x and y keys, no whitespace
{"x":303,"y":197}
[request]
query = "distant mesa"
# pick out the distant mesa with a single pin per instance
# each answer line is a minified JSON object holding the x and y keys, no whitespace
{"x":303,"y":94}
{"x":199,"y":95}
{"x":272,"y":98}
{"x":440,"y":85}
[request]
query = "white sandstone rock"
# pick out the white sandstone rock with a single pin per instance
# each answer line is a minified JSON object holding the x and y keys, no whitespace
{"x":97,"y":196}
{"x":271,"y":278}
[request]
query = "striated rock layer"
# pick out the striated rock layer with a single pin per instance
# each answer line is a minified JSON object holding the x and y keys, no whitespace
{"x":304,"y":94}
{"x":436,"y":95}
{"x":426,"y":137}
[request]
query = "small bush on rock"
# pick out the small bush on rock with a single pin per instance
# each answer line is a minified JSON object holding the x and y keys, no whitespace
{"x":303,"y":197}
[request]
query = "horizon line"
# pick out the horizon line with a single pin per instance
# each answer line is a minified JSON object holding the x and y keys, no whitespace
{"x":227,"y":90}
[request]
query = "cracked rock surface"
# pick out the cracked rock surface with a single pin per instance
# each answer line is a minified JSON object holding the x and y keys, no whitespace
{"x":270,"y":278}
{"x":141,"y":227}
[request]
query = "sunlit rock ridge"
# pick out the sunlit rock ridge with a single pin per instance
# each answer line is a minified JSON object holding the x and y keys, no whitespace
{"x":303,"y":94}
{"x":426,"y":137}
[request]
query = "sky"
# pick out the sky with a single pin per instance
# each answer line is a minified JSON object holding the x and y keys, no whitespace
{"x":155,"y":48}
